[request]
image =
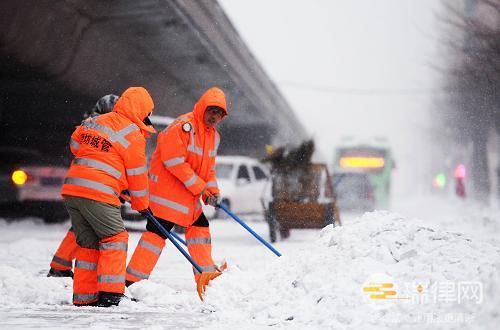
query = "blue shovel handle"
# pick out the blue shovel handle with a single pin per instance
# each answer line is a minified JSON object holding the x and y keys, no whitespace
{"x":257,"y":236}
{"x":177,"y":237}
{"x":165,"y":232}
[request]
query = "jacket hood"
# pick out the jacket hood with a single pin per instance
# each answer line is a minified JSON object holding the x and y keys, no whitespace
{"x":213,"y":96}
{"x":135,"y":104}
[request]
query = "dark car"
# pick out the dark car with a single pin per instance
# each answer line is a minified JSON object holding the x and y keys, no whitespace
{"x":30,"y":185}
{"x":354,"y":191}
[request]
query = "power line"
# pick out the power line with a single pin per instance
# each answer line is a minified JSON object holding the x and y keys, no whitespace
{"x":364,"y":91}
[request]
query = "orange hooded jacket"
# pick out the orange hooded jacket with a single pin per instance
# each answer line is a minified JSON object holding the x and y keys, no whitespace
{"x":183,"y":164}
{"x":110,"y":153}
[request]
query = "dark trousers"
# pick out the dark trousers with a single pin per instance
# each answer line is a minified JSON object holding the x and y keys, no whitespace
{"x":202,"y":221}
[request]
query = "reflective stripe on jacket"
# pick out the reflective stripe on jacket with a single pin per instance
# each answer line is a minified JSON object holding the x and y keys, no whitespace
{"x":183,"y":164}
{"x":110,"y":153}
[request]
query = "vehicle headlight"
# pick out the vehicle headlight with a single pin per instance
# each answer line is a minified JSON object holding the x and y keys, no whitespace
{"x":19,"y":177}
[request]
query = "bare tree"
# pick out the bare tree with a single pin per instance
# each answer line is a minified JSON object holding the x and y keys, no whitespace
{"x":473,"y":79}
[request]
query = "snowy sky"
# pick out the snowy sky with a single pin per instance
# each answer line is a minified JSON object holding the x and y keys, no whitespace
{"x":351,"y":68}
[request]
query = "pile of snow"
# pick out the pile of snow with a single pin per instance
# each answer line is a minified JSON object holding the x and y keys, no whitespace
{"x":453,"y":214}
{"x":24,"y":266}
{"x":317,"y":283}
{"x":321,"y":285}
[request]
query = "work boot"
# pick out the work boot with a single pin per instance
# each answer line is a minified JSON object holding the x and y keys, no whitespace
{"x":60,"y":273}
{"x":108,"y":299}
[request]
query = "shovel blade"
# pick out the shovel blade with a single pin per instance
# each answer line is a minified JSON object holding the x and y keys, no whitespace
{"x":203,"y":280}
{"x":222,"y":267}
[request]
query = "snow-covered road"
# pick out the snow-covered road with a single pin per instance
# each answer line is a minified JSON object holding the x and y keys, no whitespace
{"x":318,"y":283}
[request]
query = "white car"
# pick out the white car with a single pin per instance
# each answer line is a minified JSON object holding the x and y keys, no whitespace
{"x":242,"y":182}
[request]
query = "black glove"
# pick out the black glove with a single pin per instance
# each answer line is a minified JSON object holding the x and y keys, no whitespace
{"x":124,"y":196}
{"x":214,"y":200}
{"x":145,"y":212}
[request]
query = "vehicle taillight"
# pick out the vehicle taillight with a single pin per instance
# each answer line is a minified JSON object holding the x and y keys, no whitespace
{"x":19,"y":177}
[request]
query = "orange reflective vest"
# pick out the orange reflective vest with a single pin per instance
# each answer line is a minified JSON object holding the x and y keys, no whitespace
{"x":110,"y":153}
{"x":183,"y":164}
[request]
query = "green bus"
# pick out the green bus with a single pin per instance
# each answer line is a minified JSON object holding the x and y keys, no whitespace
{"x":356,"y":163}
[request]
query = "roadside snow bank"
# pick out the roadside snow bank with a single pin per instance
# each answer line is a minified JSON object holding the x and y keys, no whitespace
{"x":453,"y":214}
{"x":322,"y":284}
{"x":24,"y":266}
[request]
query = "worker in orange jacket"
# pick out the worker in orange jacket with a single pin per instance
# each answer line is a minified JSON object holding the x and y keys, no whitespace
{"x":182,"y":170}
{"x":109,"y":158}
{"x":62,"y":262}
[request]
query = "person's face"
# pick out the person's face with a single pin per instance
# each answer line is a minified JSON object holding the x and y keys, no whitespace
{"x":146,"y":120}
{"x":213,"y":116}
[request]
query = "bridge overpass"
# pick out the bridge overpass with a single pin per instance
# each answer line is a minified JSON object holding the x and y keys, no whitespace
{"x":58,"y":57}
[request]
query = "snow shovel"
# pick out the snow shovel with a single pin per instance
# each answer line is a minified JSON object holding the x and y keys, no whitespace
{"x":177,"y":237}
{"x":205,"y":277}
{"x":241,"y":222}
